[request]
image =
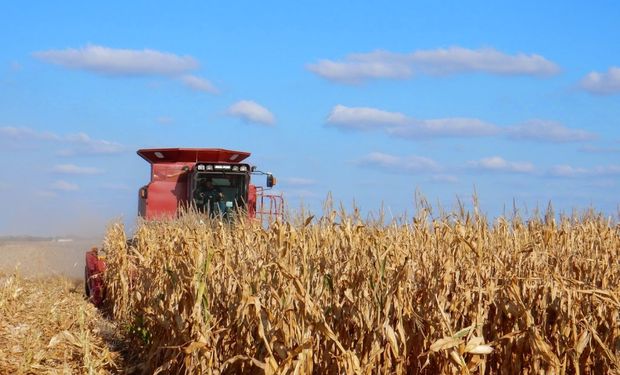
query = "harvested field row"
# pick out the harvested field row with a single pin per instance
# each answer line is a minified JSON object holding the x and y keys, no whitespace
{"x":454,"y":294}
{"x":47,"y":327}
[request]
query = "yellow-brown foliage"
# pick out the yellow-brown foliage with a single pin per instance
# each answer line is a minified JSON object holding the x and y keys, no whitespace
{"x":46,"y":327}
{"x":453,"y":294}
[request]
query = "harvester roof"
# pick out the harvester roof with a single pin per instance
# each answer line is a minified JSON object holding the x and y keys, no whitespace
{"x":174,"y":155}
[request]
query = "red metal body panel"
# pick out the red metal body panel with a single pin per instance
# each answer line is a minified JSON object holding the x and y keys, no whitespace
{"x":252,"y":201}
{"x":166,"y":191}
{"x":93,"y":273}
{"x":169,"y":178}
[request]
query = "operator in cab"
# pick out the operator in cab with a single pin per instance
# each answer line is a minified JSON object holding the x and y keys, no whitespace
{"x":208,"y":197}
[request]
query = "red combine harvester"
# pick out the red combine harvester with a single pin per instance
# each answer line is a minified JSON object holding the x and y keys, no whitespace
{"x":177,"y":177}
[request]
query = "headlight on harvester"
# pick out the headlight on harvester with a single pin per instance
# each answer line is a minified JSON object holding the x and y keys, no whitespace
{"x":243,"y":168}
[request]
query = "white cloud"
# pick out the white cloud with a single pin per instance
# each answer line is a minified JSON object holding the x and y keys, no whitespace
{"x":61,"y":185}
{"x":540,"y":130}
{"x":84,"y":144}
{"x":251,"y":111}
{"x":414,"y":164}
{"x":74,"y":169}
{"x":362,"y":118}
{"x":80,"y":143}
{"x":498,"y":164}
{"x":358,"y":67}
{"x":23,"y":133}
{"x":399,"y":125}
{"x":439,"y":62}
{"x":111,"y":61}
{"x":454,"y":60}
{"x":445,"y":127}
{"x":602,"y":83}
{"x":129,"y":62}
{"x":565,"y":170}
{"x":298,"y":181}
{"x":198,"y":84}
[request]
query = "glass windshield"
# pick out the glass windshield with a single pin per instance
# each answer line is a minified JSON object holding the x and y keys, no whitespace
{"x":216,"y":192}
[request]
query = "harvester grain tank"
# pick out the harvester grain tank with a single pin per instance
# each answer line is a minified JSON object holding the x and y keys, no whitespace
{"x":177,"y":175}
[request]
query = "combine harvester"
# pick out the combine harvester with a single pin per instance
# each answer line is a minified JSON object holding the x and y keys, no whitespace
{"x":177,"y":177}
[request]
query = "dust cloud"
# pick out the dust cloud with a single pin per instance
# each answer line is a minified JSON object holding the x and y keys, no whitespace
{"x":40,"y":257}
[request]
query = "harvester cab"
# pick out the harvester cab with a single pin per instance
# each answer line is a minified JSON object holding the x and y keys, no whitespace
{"x":214,"y":181}
{"x":179,"y":177}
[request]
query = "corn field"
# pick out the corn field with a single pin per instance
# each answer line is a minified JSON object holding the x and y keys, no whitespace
{"x":46,"y":327}
{"x":453,"y":294}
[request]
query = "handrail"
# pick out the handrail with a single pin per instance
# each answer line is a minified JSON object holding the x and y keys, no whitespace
{"x":269,"y":206}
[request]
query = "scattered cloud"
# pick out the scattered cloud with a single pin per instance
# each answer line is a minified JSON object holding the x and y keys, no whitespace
{"x":298,"y":181}
{"x":399,"y":125}
{"x":79,"y":143}
{"x":61,"y":185}
{"x":446,"y":127}
{"x":362,"y":66}
{"x":119,"y":62}
{"x":73,"y":169}
{"x":540,"y":130}
{"x":565,"y":170}
{"x":22,"y":133}
{"x":250,"y":111}
{"x":85,"y":145}
{"x":499,"y":164}
{"x":364,"y":118}
{"x":359,"y":67}
{"x":605,"y":83}
{"x":487,"y":60}
{"x":198,"y":84}
{"x":412,"y":164}
{"x":112,"y":61}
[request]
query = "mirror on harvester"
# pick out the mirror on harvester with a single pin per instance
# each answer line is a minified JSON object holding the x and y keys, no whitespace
{"x":271,"y":181}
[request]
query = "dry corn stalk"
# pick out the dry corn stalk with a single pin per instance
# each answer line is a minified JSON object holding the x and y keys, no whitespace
{"x":452,"y":294}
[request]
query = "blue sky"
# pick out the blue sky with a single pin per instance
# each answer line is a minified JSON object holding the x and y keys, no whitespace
{"x":369,"y":101}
